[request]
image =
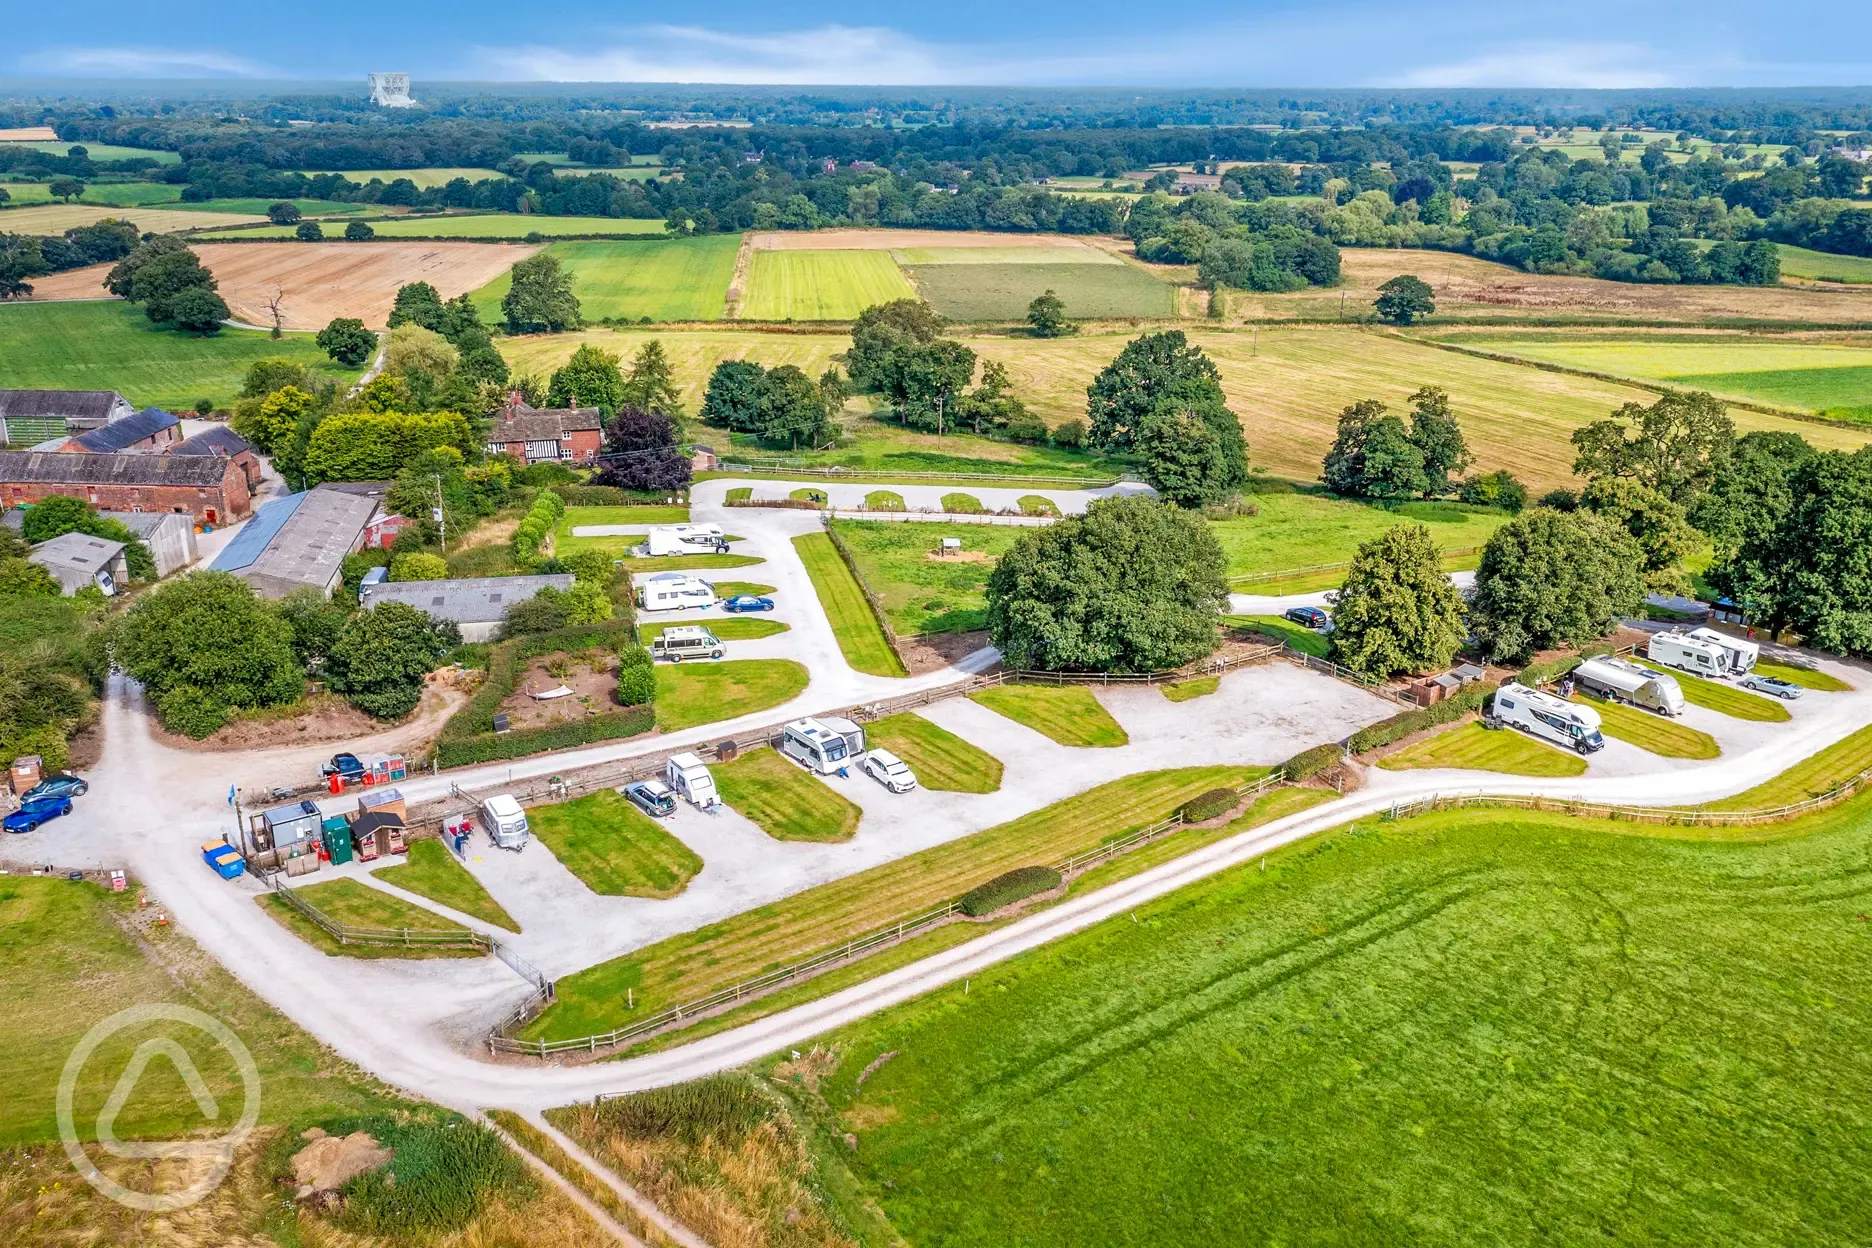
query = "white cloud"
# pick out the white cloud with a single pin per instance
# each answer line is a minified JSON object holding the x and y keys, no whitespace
{"x":146,"y":63}
{"x":1547,"y":65}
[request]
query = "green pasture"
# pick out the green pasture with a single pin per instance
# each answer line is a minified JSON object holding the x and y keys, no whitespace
{"x":1302,"y":528}
{"x":921,"y":591}
{"x":667,"y":279}
{"x":940,"y":759}
{"x":1001,"y":291}
{"x":98,"y":151}
{"x":820,"y":285}
{"x":1823,"y":266}
{"x":423,"y":178}
{"x":783,"y":800}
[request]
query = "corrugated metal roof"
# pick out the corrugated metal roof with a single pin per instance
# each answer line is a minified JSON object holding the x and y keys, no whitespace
{"x":214,"y":440}
{"x":310,"y":546}
{"x":78,"y":551}
{"x":248,"y":544}
{"x":470,"y":600}
{"x":93,"y":404}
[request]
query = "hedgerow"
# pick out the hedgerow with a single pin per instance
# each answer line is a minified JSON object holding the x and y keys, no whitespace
{"x":1008,"y":888}
{"x":1537,"y":674}
{"x":1309,"y":763}
{"x":535,"y":527}
{"x":1209,"y":805}
{"x":1402,"y":725}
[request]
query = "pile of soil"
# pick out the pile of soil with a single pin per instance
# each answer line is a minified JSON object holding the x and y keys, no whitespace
{"x":929,"y":654}
{"x":328,"y":1162}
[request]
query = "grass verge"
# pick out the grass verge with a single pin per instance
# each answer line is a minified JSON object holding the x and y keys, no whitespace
{"x":1305,"y":640}
{"x":1068,"y":714}
{"x":432,"y":872}
{"x":941,"y":760}
{"x":1726,"y":699}
{"x":360,"y":905}
{"x":860,"y":638}
{"x":691,"y":694}
{"x":1475,"y":748}
{"x":787,"y":803}
{"x":1184,"y":690}
{"x":1810,"y":777}
{"x":728,"y":628}
{"x":1651,"y":732}
{"x":616,"y":849}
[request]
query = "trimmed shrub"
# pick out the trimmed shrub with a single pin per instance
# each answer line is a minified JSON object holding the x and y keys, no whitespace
{"x":1209,"y":805}
{"x":1309,"y":763}
{"x":1385,"y":731}
{"x":1006,"y":889}
{"x":636,"y":677}
{"x":534,"y":527}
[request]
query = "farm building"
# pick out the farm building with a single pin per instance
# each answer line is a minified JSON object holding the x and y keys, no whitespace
{"x":76,"y":560}
{"x":477,"y":604}
{"x":381,"y":533}
{"x":150,"y":430}
{"x":537,"y":435}
{"x":31,"y":416}
{"x":1190,"y":183}
{"x":221,"y":440}
{"x":299,"y":540}
{"x":169,"y":535}
{"x":208,"y":489}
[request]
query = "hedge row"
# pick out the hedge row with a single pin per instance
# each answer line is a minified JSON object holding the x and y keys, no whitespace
{"x":592,"y":729}
{"x":606,"y":496}
{"x":1209,"y":805}
{"x":1309,"y":763}
{"x":1536,"y":674}
{"x":536,"y":526}
{"x":1006,"y":889}
{"x":1402,"y":725}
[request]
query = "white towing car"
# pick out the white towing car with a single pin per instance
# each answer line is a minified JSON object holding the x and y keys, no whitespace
{"x":890,"y":771}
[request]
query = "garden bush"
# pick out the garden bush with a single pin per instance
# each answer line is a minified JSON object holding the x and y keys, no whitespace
{"x":636,"y":677}
{"x":1402,"y":725}
{"x":1309,"y":763}
{"x":1209,"y":805}
{"x":1008,"y":888}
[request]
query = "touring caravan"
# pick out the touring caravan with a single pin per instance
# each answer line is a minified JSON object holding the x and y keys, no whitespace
{"x":1687,"y":653}
{"x":686,"y":641}
{"x":685,"y":539}
{"x":1550,"y":718}
{"x":1628,"y":682}
{"x":685,"y":774}
{"x":505,"y":822}
{"x":672,"y":591}
{"x":1739,"y":656}
{"x":819,"y":746}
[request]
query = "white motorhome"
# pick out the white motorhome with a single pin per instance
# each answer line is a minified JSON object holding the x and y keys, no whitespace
{"x":685,"y":539}
{"x":691,"y":780}
{"x":1739,"y":656}
{"x":686,"y":641}
{"x":506,"y":823}
{"x":819,"y":746}
{"x":1688,"y":654}
{"x":672,"y":591}
{"x":1552,"y":719}
{"x":1628,"y":682}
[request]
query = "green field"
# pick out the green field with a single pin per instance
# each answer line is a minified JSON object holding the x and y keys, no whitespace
{"x":1475,"y":748}
{"x":616,"y":849}
{"x":940,"y":759}
{"x":508,"y":226}
{"x":359,"y":905}
{"x":786,"y":803}
{"x":856,"y":629}
{"x":820,"y":285}
{"x":1469,"y":1028}
{"x":727,"y":628}
{"x":1824,"y":265}
{"x":1068,"y":714}
{"x":112,"y":346}
{"x":1001,"y":291}
{"x":921,"y":592}
{"x":691,"y":694}
{"x":1308,"y":527}
{"x":565,"y":542}
{"x":98,"y":151}
{"x":1650,"y":731}
{"x":117,"y":194}
{"x":670,"y":279}
{"x":423,"y":178}
{"x":431,"y":871}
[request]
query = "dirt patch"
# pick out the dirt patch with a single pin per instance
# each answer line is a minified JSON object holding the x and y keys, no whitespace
{"x":86,"y":747}
{"x":961,"y":556}
{"x":321,"y":717}
{"x":330,"y":1161}
{"x":929,"y":654}
{"x":591,"y":676}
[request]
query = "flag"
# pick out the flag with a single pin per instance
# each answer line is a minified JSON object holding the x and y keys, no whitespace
{"x":230,"y":795}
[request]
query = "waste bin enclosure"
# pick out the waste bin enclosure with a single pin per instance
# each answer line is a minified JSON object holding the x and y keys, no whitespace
{"x":337,"y":837}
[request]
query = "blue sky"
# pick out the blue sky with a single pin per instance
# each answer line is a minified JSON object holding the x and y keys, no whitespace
{"x":1250,"y":43}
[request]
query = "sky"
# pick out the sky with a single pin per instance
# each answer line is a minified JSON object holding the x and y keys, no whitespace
{"x":1197,"y":43}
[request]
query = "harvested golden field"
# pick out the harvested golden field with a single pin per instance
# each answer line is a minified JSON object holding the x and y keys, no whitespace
{"x":693,"y":353}
{"x":57,"y":218}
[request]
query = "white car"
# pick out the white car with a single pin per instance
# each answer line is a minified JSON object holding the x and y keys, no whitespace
{"x":890,"y":771}
{"x":1771,"y":685}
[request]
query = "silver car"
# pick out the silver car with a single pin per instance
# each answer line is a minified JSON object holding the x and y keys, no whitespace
{"x":1771,"y":685}
{"x":890,"y":771}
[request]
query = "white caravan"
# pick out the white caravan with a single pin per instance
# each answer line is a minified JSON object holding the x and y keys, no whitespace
{"x":506,"y":823}
{"x":1628,"y":682}
{"x":1688,"y":653}
{"x":1739,"y":656}
{"x":672,"y":591}
{"x":690,"y":779}
{"x":686,"y":641}
{"x":685,"y":539}
{"x":1552,"y":719}
{"x":820,"y":746}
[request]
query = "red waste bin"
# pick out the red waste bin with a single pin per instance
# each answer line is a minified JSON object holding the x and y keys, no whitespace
{"x":337,"y":783}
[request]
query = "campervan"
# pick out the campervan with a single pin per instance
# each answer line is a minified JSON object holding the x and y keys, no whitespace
{"x":818,"y":746}
{"x":1739,"y":656}
{"x":1688,"y":653}
{"x":1550,"y":718}
{"x":672,"y":591}
{"x":505,"y":822}
{"x":686,"y":641}
{"x":685,"y":774}
{"x":1623,"y":681}
{"x":685,"y":539}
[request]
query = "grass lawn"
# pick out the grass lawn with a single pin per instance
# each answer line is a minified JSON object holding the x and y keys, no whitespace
{"x":860,"y":638}
{"x":1068,"y":714}
{"x":1307,"y":528}
{"x":884,"y":500}
{"x":1037,"y":505}
{"x":360,"y":905}
{"x":962,"y":504}
{"x":665,"y":279}
{"x":694,"y":963}
{"x":565,"y":542}
{"x":728,"y":628}
{"x":941,"y":760}
{"x":1812,"y":776}
{"x":113,"y":346}
{"x":1650,"y":731}
{"x":788,"y":803}
{"x":922,"y":592}
{"x":1805,"y":677}
{"x":690,"y":694}
{"x":1185,"y":690}
{"x":1304,"y":640}
{"x":1001,"y":291}
{"x":616,"y":849}
{"x":733,"y":589}
{"x":1473,"y":1027}
{"x":820,"y":285}
{"x":1475,"y":748}
{"x":1726,"y":699}
{"x":433,"y":872}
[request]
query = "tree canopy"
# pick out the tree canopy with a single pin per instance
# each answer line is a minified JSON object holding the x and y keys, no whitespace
{"x":641,"y":452}
{"x":380,"y":658}
{"x":1046,"y":316}
{"x":1675,"y":446}
{"x":1160,"y":377}
{"x":346,"y":340}
{"x":205,"y":645}
{"x":1404,"y":299}
{"x":1551,"y":578}
{"x":591,"y":378}
{"x":1804,"y":557}
{"x":540,"y":299}
{"x":1397,"y":611}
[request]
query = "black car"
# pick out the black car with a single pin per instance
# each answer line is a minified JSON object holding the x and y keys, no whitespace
{"x":346,"y":765}
{"x":1306,"y":617}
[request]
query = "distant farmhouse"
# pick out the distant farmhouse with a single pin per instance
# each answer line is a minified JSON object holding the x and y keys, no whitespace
{"x":390,"y":91}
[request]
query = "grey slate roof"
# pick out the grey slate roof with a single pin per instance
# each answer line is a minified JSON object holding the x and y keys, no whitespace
{"x":82,"y":468}
{"x":119,"y":434}
{"x":78,"y":551}
{"x":84,"y":404}
{"x":473,"y":600}
{"x":214,"y":440}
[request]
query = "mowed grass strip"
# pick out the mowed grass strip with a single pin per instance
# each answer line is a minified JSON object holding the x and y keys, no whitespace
{"x":734,"y":589}
{"x":691,"y":694}
{"x":673,"y":279}
{"x":941,"y":760}
{"x":728,"y":628}
{"x":689,"y":563}
{"x":1185,"y":690}
{"x":640,"y":518}
{"x":1274,"y":627}
{"x":695,"y":963}
{"x":1650,"y":731}
{"x":786,"y":801}
{"x":616,"y":849}
{"x":1725,"y":699}
{"x":1811,"y":777}
{"x":431,"y":871}
{"x":1068,"y":714}
{"x":359,"y":905}
{"x":1806,"y":677}
{"x":821,"y":285}
{"x":860,"y":638}
{"x":1475,"y":748}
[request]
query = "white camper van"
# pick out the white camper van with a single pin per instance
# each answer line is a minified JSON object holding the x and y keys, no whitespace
{"x":685,"y":539}
{"x":1628,"y":682}
{"x":823,"y":745}
{"x":672,"y":591}
{"x":505,"y":822}
{"x":1739,"y":656}
{"x":690,"y":779}
{"x":1686,"y":653}
{"x":1552,"y":719}
{"x":686,"y":641}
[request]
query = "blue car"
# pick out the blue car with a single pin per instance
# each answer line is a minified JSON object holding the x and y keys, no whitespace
{"x":59,"y":784}
{"x":346,"y":765}
{"x":746,"y":602}
{"x":31,"y":814}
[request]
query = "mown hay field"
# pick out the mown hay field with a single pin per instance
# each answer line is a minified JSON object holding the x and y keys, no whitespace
{"x":820,"y":285}
{"x":57,"y":218}
{"x":1001,"y":291}
{"x":665,"y":279}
